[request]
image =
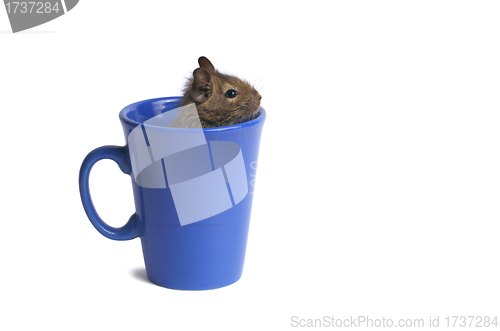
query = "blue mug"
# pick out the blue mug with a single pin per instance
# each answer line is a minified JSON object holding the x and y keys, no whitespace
{"x":192,"y":212}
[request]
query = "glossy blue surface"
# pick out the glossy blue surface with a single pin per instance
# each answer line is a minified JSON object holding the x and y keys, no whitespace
{"x":204,"y":255}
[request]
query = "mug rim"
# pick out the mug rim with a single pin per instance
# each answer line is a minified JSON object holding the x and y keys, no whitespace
{"x":125,"y":119}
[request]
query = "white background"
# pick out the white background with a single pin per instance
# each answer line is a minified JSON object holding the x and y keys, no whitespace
{"x":378,"y":185}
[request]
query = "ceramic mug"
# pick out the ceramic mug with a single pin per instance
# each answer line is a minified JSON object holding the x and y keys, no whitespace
{"x":193,"y":191}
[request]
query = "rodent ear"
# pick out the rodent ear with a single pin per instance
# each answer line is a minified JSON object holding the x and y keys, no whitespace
{"x":205,"y":63}
{"x":201,"y":89}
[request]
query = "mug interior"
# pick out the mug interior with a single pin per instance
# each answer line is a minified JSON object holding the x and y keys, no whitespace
{"x":139,"y":112}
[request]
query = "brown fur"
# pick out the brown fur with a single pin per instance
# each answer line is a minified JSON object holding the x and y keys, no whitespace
{"x":207,"y":91}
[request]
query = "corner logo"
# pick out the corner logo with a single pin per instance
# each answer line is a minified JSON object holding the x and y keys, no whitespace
{"x":24,"y":15}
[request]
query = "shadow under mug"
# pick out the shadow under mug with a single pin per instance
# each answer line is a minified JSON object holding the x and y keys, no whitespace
{"x":195,"y":255}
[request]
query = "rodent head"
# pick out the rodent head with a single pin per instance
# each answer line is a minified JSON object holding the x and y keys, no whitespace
{"x":221,"y":99}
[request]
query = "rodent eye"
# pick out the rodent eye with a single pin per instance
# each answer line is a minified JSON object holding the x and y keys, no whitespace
{"x":231,"y":94}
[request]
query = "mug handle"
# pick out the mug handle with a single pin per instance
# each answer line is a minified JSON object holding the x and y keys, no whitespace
{"x":120,"y":155}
